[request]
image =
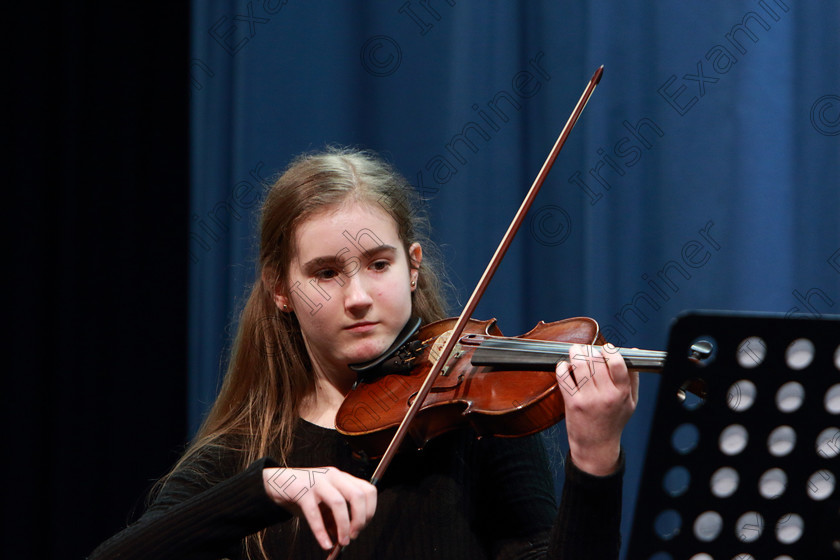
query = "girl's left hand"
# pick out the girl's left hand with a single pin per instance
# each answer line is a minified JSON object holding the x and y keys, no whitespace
{"x":600,"y":396}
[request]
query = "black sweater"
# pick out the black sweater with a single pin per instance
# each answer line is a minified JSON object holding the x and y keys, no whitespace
{"x":460,"y":497}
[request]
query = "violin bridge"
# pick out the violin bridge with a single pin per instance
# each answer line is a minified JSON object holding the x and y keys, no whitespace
{"x":437,"y":348}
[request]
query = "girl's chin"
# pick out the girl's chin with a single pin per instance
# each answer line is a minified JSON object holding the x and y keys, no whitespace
{"x":366,"y":354}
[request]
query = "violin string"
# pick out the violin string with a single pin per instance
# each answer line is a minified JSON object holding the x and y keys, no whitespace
{"x":533,"y":346}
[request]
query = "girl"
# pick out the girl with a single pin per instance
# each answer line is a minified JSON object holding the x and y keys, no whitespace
{"x":342,"y":268}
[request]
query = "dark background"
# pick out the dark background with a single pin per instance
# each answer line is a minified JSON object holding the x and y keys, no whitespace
{"x":98,"y":219}
{"x":96,"y":209}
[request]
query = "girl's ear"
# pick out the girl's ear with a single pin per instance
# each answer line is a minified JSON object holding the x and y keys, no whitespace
{"x":281,"y":300}
{"x":415,"y":257}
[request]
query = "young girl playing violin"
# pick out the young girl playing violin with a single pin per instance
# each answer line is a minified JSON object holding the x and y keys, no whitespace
{"x":342,"y":268}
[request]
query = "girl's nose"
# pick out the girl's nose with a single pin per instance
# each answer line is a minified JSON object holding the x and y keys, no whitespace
{"x":356,"y":296}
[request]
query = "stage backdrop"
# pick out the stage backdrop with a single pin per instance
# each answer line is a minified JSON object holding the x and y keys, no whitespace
{"x":704,"y":173}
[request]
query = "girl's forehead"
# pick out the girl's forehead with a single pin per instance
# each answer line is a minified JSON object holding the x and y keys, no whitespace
{"x":342,"y":223}
{"x":349,"y":212}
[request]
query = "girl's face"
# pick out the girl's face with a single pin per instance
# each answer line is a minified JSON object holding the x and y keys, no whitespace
{"x":349,"y":283}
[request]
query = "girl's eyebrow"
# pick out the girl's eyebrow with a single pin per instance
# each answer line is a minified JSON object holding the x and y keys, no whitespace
{"x":380,"y":250}
{"x":331,"y":260}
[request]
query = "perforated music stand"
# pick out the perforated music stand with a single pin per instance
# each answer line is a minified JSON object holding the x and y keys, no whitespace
{"x":751,"y":469}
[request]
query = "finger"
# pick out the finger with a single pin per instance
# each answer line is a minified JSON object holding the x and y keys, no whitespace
{"x":616,"y":367}
{"x":609,"y":349}
{"x":372,"y":501}
{"x":336,"y":505}
{"x":369,"y":493}
{"x":624,"y":380}
{"x":634,"y":384}
{"x":565,"y":375}
{"x":575,"y":370}
{"x":575,"y":364}
{"x":312,"y":513}
{"x":598,"y":366}
{"x":361,"y":500}
{"x":585,"y":362}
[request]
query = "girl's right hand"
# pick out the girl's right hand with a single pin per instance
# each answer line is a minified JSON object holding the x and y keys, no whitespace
{"x":335,"y":504}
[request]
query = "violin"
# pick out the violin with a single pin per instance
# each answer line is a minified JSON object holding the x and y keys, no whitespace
{"x":504,"y":387}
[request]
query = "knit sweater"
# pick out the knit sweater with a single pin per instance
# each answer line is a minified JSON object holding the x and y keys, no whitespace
{"x":460,"y":497}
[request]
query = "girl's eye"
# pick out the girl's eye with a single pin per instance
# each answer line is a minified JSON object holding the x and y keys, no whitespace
{"x":380,"y":265}
{"x":326,"y":274}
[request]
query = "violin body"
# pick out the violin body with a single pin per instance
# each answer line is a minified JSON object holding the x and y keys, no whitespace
{"x":508,"y":398}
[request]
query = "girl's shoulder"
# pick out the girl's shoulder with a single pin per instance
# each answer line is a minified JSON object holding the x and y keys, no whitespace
{"x":202,"y":467}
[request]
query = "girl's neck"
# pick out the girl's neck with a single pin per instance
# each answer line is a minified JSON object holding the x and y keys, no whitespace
{"x":323,"y":418}
{"x":321,"y":405}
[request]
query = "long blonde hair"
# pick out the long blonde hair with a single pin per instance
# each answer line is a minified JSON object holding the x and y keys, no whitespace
{"x":269,"y":372}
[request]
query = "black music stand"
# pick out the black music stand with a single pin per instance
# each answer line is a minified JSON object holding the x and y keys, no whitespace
{"x":751,"y":468}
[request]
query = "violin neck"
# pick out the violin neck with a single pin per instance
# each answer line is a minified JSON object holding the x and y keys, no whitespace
{"x":545,"y":355}
{"x":643,"y":360}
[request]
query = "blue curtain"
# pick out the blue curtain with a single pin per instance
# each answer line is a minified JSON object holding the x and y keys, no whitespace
{"x":703,"y":174}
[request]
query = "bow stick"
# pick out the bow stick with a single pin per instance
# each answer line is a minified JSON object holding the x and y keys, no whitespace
{"x":399,"y":436}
